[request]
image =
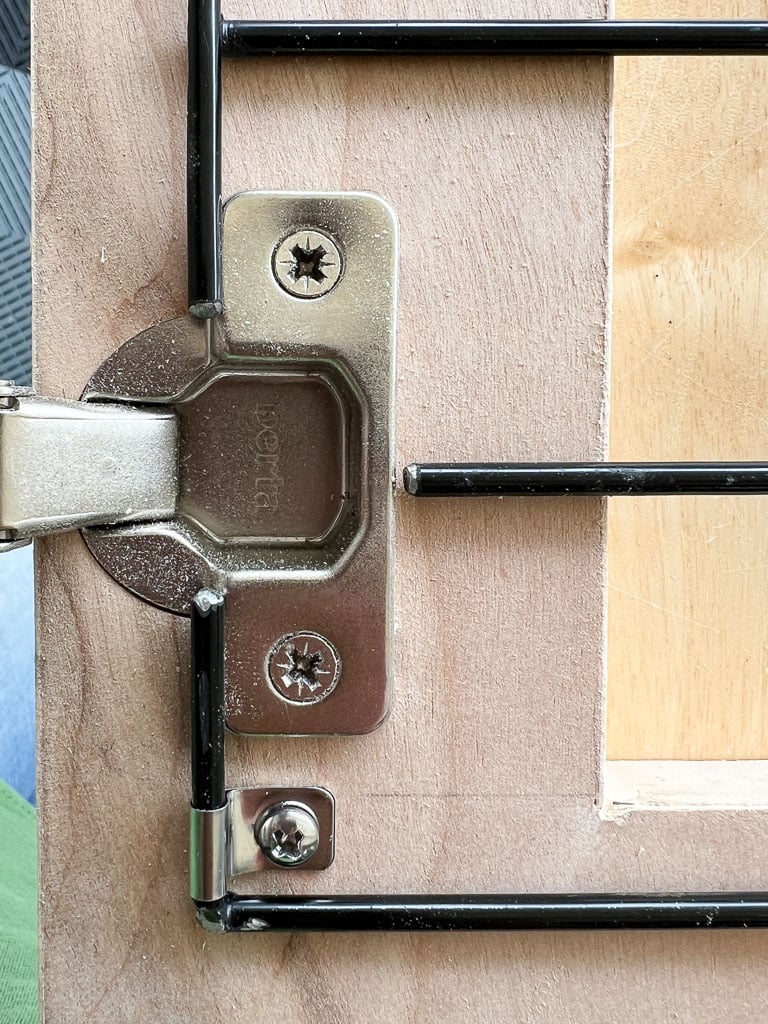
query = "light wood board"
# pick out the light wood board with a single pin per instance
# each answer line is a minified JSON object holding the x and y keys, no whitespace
{"x":487,"y":776}
{"x":688,"y":590}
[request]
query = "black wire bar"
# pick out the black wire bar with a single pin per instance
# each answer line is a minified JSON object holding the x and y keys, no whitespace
{"x":491,"y":38}
{"x":204,"y":158}
{"x":561,"y":912}
{"x":463,"y":912}
{"x":553,"y":479}
{"x":208,"y":707}
{"x":210,"y":38}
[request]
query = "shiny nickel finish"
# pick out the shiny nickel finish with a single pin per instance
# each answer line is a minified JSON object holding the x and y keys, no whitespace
{"x":280,"y":827}
{"x":207,"y":854}
{"x":304,"y":668}
{"x":307,"y":264}
{"x":285,"y":454}
{"x":288,"y":834}
{"x":66,"y":465}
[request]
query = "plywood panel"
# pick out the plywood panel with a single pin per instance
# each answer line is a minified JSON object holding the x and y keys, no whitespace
{"x":688,"y":640}
{"x":487,"y":775}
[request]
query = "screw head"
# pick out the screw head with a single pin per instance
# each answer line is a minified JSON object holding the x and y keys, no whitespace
{"x":288,"y":834}
{"x":307,"y":264}
{"x":303,"y":668}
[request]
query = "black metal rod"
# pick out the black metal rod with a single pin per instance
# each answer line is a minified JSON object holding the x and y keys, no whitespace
{"x":208,"y":39}
{"x":443,"y":38}
{"x":412,"y":913}
{"x":207,"y":726}
{"x":542,"y":479}
{"x":558,"y":912}
{"x":204,"y":158}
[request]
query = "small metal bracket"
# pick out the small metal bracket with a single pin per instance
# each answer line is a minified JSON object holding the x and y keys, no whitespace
{"x":253,"y":822}
{"x":244,"y":836}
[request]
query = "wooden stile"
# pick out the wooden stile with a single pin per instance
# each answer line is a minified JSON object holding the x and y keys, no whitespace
{"x":487,"y":777}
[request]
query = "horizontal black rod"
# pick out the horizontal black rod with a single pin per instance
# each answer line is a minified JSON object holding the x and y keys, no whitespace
{"x":207,"y":732}
{"x":486,"y":913}
{"x":552,"y":479}
{"x":443,"y":38}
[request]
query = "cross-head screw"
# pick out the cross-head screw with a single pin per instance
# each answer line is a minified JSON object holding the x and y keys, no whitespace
{"x":303,"y":668}
{"x":288,"y":834}
{"x":307,"y":264}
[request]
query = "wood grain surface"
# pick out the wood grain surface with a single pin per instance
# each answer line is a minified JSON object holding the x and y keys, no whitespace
{"x":487,"y":777}
{"x":688,"y":591}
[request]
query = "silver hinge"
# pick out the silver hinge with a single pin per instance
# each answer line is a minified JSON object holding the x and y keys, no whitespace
{"x":285,"y":453}
{"x":251,"y":454}
{"x":65,"y":465}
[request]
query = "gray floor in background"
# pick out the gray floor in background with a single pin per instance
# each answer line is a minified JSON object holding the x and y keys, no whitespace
{"x":15,"y":285}
{"x":17,"y":739}
{"x":14,"y":34}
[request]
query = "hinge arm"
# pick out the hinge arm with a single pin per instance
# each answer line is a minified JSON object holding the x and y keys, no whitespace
{"x":65,"y":465}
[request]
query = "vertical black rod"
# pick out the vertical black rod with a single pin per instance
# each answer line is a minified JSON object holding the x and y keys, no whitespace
{"x":207,"y":728}
{"x":204,"y":159}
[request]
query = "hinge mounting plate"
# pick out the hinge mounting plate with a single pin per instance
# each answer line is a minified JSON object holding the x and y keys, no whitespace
{"x":285,"y":452}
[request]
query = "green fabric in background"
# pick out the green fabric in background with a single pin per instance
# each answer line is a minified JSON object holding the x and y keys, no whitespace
{"x":18,"y":909}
